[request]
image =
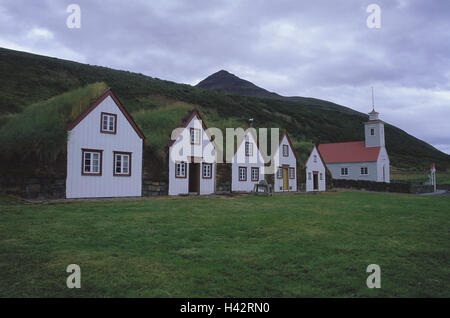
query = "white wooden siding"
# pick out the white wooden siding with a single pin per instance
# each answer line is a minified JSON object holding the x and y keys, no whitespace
{"x":182,"y":146}
{"x":280,"y":161}
{"x":311,"y":167}
{"x":241,"y":160}
{"x":87,"y":135}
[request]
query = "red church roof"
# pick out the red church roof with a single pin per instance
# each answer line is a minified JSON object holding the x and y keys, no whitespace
{"x":354,"y":151}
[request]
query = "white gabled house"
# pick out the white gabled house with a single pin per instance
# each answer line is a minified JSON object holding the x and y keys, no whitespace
{"x":315,"y":172}
{"x":285,"y":161}
{"x":247,"y":165}
{"x":192,"y":159}
{"x":104,"y":151}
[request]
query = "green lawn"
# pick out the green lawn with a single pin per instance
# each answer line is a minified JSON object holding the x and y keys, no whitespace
{"x":246,"y":246}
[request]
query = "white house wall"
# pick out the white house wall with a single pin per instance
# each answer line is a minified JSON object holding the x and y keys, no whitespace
{"x":241,"y":160}
{"x":182,"y":150}
{"x":290,"y":161}
{"x":383,"y":161}
{"x":87,"y":135}
{"x":354,"y":170}
{"x":311,"y":167}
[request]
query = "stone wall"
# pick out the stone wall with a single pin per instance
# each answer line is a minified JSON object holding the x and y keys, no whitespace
{"x":223,"y":178}
{"x":152,"y":187}
{"x":382,"y":186}
{"x":443,"y":187}
{"x":40,"y":188}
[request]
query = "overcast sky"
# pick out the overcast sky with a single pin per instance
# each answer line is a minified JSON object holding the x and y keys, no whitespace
{"x":321,"y":49}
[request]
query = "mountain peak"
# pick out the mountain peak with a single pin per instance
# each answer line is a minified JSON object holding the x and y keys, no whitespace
{"x":227,"y":82}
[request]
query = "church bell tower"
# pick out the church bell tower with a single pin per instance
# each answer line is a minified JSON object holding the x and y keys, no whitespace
{"x":374,"y":131}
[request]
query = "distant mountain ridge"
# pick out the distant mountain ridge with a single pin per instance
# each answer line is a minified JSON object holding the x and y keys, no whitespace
{"x":229,"y":83}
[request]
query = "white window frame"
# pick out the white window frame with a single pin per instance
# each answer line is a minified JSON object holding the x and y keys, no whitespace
{"x":206,"y":170}
{"x":248,"y":149}
{"x":256,"y":178}
{"x":244,"y":169}
{"x":196,"y":136}
{"x":285,"y":150}
{"x":110,"y":123}
{"x":291,"y":173}
{"x":119,"y":157}
{"x":364,"y":171}
{"x":280,"y":173}
{"x":91,"y":153}
{"x":180,"y":169}
{"x":346,"y":169}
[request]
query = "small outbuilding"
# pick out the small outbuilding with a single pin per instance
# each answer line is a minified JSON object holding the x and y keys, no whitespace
{"x":247,"y":164}
{"x":192,"y":158}
{"x":285,"y":161}
{"x":315,"y":172}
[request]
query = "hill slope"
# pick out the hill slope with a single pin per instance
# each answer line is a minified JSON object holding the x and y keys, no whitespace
{"x":226,"y":82}
{"x":26,"y":79}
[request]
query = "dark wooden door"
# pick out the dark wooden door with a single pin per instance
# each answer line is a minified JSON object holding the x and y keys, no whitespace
{"x":315,"y":181}
{"x":194,"y":177}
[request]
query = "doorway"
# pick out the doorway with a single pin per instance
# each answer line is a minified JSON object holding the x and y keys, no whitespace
{"x":285,"y":179}
{"x":315,"y":180}
{"x":194,"y":178}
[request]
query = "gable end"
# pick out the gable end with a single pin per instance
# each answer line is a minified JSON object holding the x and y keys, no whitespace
{"x":97,"y":102}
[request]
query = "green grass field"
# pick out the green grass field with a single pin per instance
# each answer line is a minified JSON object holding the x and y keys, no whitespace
{"x":420,"y":177}
{"x":245,"y":246}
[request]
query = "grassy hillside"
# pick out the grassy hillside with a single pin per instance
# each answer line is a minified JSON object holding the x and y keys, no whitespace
{"x":157,"y":105}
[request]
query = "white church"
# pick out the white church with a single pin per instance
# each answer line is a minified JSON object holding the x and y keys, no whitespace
{"x":360,"y":160}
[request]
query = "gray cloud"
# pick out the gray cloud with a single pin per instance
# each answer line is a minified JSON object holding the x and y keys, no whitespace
{"x":321,"y":49}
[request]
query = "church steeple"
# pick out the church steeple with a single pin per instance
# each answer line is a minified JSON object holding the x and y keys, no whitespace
{"x":374,"y":128}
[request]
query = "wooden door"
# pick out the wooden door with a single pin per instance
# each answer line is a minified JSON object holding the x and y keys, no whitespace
{"x":194,"y":177}
{"x":315,"y":180}
{"x":285,"y":179}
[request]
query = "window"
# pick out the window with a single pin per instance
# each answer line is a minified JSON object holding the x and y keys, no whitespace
{"x":309,"y":176}
{"x":372,"y":131}
{"x":180,"y":170}
{"x":280,"y":173}
{"x":91,"y":162}
{"x":122,"y":164}
{"x":255,"y":174}
{"x":248,"y":149}
{"x":344,"y":171}
{"x":315,"y":158}
{"x":195,"y":136}
{"x":364,"y":171}
{"x":321,"y":176}
{"x":291,"y":173}
{"x":285,"y":150}
{"x":108,"y":123}
{"x":207,"y":170}
{"x":242,"y":173}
